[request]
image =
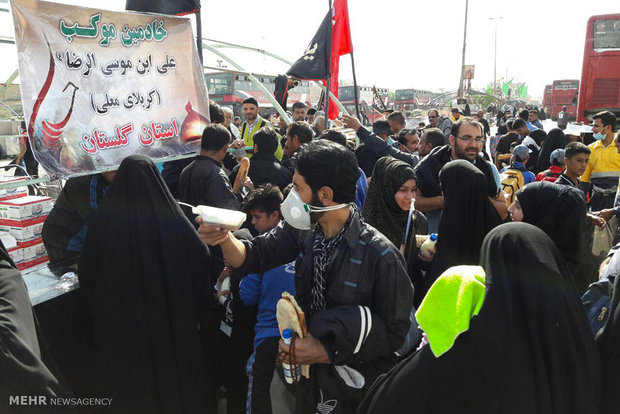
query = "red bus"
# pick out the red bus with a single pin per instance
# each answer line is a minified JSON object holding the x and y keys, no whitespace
{"x":547,"y":99}
{"x":346,"y":96}
{"x":600,"y":75}
{"x":564,"y":93}
{"x":406,"y":100}
{"x":231,"y":89}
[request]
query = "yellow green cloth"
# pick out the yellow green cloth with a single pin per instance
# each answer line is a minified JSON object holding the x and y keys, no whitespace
{"x":248,"y":135}
{"x":454,"y":298}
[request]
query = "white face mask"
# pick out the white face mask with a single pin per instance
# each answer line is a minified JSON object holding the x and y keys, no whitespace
{"x":297,"y":213}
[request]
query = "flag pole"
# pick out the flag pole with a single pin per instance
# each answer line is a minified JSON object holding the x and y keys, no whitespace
{"x":355,"y":91}
{"x":329,"y":63}
{"x":199,"y":36}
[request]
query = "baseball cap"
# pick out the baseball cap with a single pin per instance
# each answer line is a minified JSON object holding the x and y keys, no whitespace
{"x":557,"y":156}
{"x":521,"y":152}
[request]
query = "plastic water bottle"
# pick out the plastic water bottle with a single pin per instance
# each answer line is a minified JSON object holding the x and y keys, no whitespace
{"x":225,"y":287}
{"x":428,"y":244}
{"x":287,"y":336}
{"x":67,"y":281}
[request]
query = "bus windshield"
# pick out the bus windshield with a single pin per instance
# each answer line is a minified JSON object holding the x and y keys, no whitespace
{"x":403,"y":95}
{"x":607,"y":34}
{"x":346,"y":93}
{"x":219,"y":83}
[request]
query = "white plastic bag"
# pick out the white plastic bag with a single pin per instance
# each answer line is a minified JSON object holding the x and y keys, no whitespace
{"x":602,"y":240}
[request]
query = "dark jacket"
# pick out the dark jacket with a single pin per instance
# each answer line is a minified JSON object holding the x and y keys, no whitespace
{"x":203,"y":182}
{"x":366,"y":272}
{"x":445,"y":125}
{"x":64,"y":230}
{"x":171,"y":171}
{"x":266,"y":169}
{"x":290,"y":163}
{"x":430,"y":166}
{"x":380,"y":148}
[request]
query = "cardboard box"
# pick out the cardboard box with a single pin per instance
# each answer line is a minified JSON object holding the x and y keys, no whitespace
{"x":25,"y":230}
{"x":32,"y":263}
{"x":25,"y":208}
{"x":33,"y":250}
{"x":12,"y":193}
{"x":17,"y":255}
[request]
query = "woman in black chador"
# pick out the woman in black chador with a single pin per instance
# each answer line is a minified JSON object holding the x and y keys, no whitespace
{"x":146,"y":274}
{"x":26,"y":368}
{"x":467,"y":217}
{"x":528,"y":350}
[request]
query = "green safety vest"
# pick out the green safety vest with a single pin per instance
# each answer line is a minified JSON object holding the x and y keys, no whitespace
{"x":247,"y":135}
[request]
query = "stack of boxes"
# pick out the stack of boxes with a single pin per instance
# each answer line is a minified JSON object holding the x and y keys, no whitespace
{"x":22,"y":217}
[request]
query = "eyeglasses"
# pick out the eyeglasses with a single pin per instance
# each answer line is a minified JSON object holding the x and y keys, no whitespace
{"x":469,"y":140}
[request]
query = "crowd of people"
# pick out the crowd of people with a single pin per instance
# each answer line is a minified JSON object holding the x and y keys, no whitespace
{"x":180,"y":313}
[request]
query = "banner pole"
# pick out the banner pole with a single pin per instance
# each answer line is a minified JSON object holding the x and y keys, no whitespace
{"x":329,"y":63}
{"x":199,"y":35}
{"x":356,"y":93}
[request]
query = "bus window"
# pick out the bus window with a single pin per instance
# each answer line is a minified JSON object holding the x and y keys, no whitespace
{"x":219,"y":83}
{"x":607,"y":34}
{"x":346,"y":93}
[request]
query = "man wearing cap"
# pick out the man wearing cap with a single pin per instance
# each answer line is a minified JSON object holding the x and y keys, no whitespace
{"x":253,"y":122}
{"x":555,"y":169}
{"x":520,"y":155}
{"x":563,"y":118}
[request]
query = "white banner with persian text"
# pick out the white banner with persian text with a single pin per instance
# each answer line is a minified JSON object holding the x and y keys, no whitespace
{"x":98,"y":86}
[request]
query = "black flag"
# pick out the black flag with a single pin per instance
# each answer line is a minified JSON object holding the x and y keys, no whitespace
{"x":281,"y":90}
{"x":313,"y":64}
{"x":178,"y":7}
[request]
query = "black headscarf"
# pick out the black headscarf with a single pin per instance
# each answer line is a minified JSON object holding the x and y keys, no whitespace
{"x":146,"y":273}
{"x":555,"y":139}
{"x":467,"y":217}
{"x":539,"y":136}
{"x":380,"y":208}
{"x":607,"y":341}
{"x":24,"y":362}
{"x":529,"y":350}
{"x":559,"y":211}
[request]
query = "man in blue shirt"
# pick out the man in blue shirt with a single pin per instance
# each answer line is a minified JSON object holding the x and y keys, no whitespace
{"x":533,"y":119}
